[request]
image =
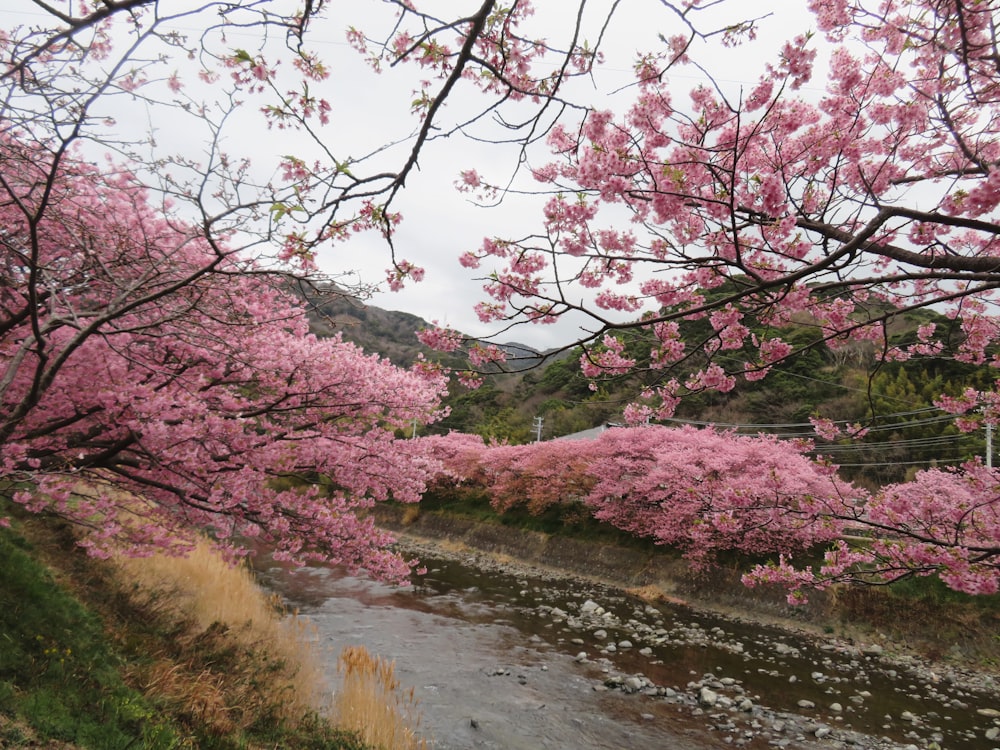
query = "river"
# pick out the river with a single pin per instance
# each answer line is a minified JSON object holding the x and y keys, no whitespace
{"x":502,"y":660}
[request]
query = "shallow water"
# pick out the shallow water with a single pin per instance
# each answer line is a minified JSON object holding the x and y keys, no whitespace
{"x":492,"y":668}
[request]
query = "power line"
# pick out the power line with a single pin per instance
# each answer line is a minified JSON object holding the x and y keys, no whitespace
{"x":876,"y":448}
{"x":810,"y":428}
{"x":858,"y":448}
{"x":874,"y":465}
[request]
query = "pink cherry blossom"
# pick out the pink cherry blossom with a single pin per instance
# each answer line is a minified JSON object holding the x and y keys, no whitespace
{"x":163,"y":389}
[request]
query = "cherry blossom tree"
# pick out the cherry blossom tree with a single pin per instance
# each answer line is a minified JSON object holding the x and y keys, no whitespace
{"x":539,"y":475}
{"x":698,"y":490}
{"x":944,"y":523}
{"x":152,"y":385}
{"x":156,"y":373}
{"x":458,"y":457}
{"x":854,"y":182}
{"x":705,"y":491}
{"x":186,"y":95}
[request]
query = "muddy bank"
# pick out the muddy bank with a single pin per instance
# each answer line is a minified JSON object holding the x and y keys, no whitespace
{"x":626,"y":568}
{"x":664,"y":575}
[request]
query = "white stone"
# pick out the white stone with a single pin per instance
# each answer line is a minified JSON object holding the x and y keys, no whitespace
{"x":707,"y":697}
{"x":633,"y":684}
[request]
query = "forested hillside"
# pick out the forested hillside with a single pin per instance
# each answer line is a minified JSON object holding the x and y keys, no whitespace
{"x":892,"y":402}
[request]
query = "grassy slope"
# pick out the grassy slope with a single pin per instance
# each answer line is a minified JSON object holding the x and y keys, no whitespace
{"x":87,"y":661}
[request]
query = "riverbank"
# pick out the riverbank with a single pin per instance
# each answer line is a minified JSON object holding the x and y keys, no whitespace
{"x":162,"y":653}
{"x":496,"y":644}
{"x":924,"y":640}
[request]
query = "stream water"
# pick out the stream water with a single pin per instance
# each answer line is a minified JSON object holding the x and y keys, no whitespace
{"x":500,"y":660}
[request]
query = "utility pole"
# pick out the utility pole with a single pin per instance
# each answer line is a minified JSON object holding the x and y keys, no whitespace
{"x":538,"y":428}
{"x":989,"y":445}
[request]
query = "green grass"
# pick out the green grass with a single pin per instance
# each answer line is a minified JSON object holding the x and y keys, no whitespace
{"x":58,"y":673}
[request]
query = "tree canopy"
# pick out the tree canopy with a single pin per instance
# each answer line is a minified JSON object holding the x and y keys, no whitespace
{"x":853,"y":183}
{"x":154,"y":384}
{"x":706,"y":492}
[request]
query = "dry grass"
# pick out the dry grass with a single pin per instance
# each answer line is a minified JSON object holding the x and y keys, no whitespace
{"x":452,"y":546}
{"x":371,"y":703}
{"x":410,"y":514}
{"x":223,"y":662}
{"x":274,"y":669}
{"x":938,"y":629}
{"x":235,"y":655}
{"x":206,"y":589}
{"x":654,"y":593}
{"x":648,"y":593}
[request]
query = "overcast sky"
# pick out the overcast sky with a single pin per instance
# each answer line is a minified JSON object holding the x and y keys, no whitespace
{"x":440,"y":224}
{"x":371,"y":110}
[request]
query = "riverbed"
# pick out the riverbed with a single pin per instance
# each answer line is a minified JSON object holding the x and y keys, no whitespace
{"x":501,"y":657}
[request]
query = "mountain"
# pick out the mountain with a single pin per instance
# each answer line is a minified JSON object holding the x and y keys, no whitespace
{"x":392,"y":333}
{"x":522,"y":357}
{"x":387,"y":332}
